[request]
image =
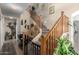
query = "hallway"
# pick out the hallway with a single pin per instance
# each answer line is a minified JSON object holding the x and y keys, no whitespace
{"x":37,"y":29}
{"x":10,"y":48}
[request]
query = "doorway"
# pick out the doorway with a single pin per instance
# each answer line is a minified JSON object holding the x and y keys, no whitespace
{"x":10,"y":26}
{"x":76,"y":35}
{"x":75,"y":30}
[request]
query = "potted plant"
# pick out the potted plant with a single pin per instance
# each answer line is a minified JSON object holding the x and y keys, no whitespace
{"x":64,"y":47}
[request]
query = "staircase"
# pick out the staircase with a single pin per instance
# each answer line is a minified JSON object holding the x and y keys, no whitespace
{"x":43,"y":31}
{"x":48,"y":42}
{"x":37,"y":19}
{"x":28,"y":44}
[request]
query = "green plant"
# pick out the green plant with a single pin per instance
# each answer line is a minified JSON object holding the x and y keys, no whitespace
{"x":64,"y":47}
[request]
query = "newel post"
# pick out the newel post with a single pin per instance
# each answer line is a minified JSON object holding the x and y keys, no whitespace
{"x":43,"y":46}
{"x":62,"y":13}
{"x":62,"y":19}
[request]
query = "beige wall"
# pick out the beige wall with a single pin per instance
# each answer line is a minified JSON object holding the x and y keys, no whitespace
{"x":25,"y":16}
{"x":50,"y":19}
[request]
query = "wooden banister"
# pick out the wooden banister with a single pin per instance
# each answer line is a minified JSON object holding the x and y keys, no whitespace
{"x":49,"y":43}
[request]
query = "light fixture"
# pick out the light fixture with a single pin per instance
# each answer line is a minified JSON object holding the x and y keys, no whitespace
{"x":10,"y":17}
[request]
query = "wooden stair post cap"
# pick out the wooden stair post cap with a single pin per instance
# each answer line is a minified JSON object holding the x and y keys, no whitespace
{"x":62,"y":12}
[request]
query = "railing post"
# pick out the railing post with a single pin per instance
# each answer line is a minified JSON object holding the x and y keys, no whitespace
{"x":62,"y":14}
{"x":43,"y":46}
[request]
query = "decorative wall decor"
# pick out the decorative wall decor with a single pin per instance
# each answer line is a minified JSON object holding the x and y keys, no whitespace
{"x":11,"y":29}
{"x":33,"y":8}
{"x":25,"y":21}
{"x":21,"y":22}
{"x":25,"y":26}
{"x":37,"y":5}
{"x":25,"y":37}
{"x":52,"y":10}
{"x":43,"y":6}
{"x":28,"y":27}
{"x":32,"y":25}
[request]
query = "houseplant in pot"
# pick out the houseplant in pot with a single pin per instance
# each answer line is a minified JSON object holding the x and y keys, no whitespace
{"x":64,"y":47}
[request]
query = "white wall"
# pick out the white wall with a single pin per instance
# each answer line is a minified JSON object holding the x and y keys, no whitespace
{"x":20,"y":28}
{"x":25,"y":16}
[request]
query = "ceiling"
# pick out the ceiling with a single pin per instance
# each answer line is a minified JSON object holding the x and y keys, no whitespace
{"x":13,"y":9}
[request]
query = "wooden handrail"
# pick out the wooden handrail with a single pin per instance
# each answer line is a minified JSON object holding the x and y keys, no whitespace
{"x":48,"y":44}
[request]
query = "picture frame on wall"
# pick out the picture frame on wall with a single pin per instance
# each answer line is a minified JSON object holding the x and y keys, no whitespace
{"x":25,"y":21}
{"x":25,"y":26}
{"x":21,"y":22}
{"x":28,"y":27}
{"x":52,"y":10}
{"x":43,"y":6}
{"x":37,"y":5}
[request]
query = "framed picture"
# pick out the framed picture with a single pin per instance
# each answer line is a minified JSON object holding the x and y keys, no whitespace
{"x":43,"y":6}
{"x":25,"y":26}
{"x":21,"y":22}
{"x":25,"y":21}
{"x":37,"y":5}
{"x":52,"y":10}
